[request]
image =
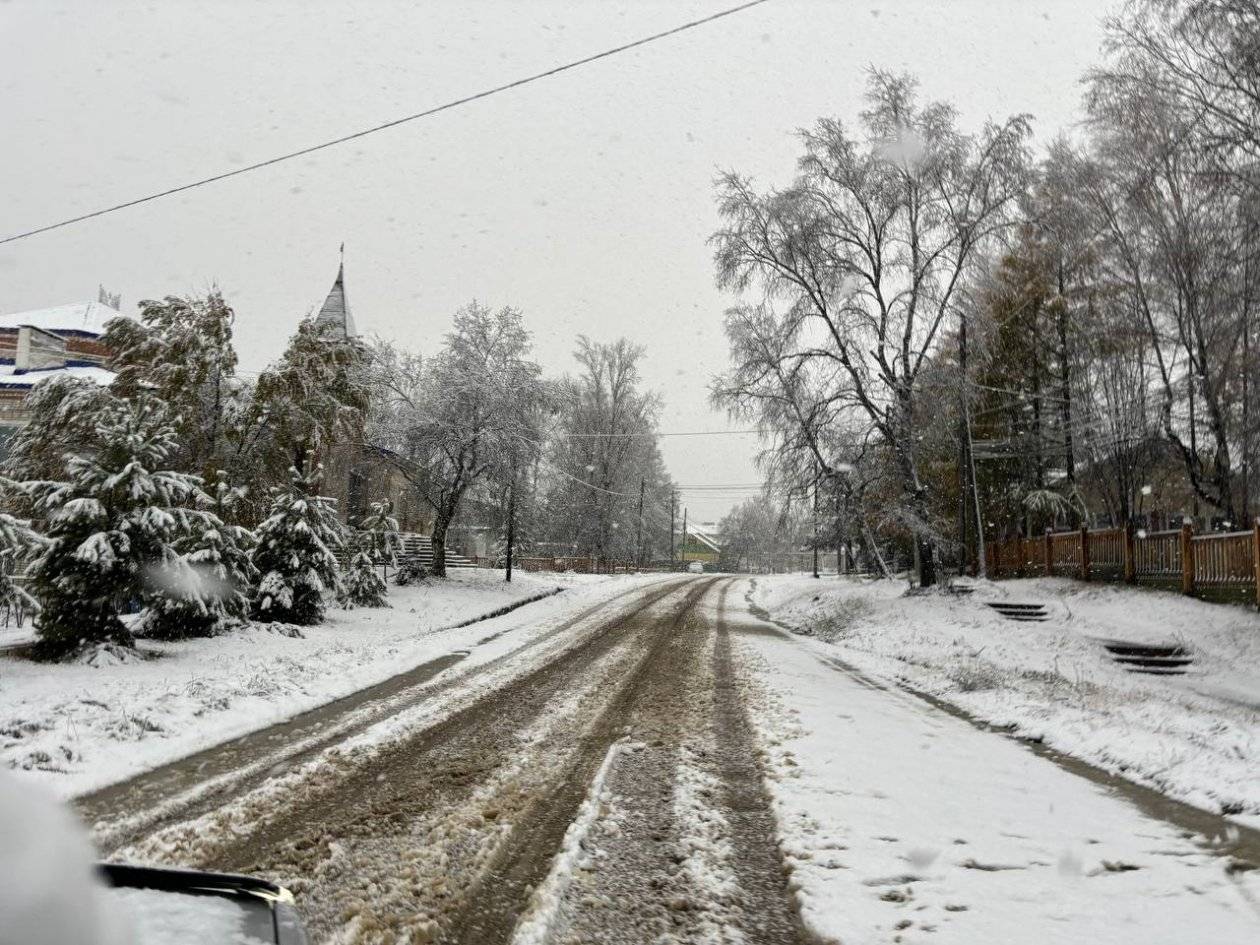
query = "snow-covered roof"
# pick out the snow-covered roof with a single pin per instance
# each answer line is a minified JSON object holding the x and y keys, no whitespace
{"x":87,"y":317}
{"x":29,"y":379}
{"x":703,"y":537}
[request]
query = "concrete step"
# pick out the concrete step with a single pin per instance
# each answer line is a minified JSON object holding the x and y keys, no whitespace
{"x":1149,"y":659}
{"x":1026,"y":613}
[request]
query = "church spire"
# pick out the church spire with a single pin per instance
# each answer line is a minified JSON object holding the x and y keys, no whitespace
{"x":334,"y":319}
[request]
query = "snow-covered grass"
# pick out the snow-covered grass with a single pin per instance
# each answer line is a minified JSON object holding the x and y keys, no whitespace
{"x":902,"y":823}
{"x":1194,"y":737}
{"x":79,"y":727}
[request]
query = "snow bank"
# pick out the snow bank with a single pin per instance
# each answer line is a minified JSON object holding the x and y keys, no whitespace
{"x":80,"y":727}
{"x":1194,"y":737}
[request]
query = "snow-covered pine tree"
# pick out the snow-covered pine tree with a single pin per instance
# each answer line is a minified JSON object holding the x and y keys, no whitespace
{"x":296,"y":553}
{"x":61,"y":419}
{"x":180,"y":350}
{"x":380,"y":529}
{"x":112,"y":525}
{"x":375,"y":544}
{"x":362,"y":585}
{"x":17,"y":542}
{"x":209,"y":585}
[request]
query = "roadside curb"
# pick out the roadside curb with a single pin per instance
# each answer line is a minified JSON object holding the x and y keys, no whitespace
{"x":505,"y":609}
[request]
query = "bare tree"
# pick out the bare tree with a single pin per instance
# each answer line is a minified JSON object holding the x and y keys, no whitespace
{"x":603,"y":455}
{"x":866,"y":251}
{"x":449,"y":421}
{"x":1177,"y":242}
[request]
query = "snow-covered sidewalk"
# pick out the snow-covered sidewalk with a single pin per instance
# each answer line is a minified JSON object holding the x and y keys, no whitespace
{"x":1194,"y":737}
{"x":76,"y":728}
{"x":903,"y":823}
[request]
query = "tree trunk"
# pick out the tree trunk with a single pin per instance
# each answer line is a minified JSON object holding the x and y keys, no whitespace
{"x":441,"y":522}
{"x":926,"y":547}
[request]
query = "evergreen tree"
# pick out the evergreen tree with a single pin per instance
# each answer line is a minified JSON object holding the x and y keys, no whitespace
{"x":62,"y":419}
{"x":315,"y":394}
{"x":296,"y":553}
{"x":380,"y":530}
{"x":364,"y":587}
{"x":112,"y":525}
{"x":181,"y":350}
{"x":17,"y":541}
{"x":209,"y":585}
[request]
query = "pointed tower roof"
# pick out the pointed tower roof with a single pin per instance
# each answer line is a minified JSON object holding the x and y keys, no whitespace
{"x":334,"y":319}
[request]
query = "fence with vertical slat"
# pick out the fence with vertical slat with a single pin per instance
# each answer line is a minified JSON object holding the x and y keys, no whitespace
{"x":1065,"y":553}
{"x":1158,"y":556}
{"x":1226,"y":566}
{"x":1224,"y":559}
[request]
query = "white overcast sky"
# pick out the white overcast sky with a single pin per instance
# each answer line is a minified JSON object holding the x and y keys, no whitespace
{"x":585,"y":200}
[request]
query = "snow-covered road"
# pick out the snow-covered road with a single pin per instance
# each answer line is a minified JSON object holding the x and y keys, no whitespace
{"x":661,"y":765}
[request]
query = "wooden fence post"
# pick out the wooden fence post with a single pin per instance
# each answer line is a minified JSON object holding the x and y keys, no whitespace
{"x":1049,"y":554}
{"x":1187,"y":559}
{"x":1084,"y":552}
{"x":1130,"y":555}
{"x":1255,"y":557}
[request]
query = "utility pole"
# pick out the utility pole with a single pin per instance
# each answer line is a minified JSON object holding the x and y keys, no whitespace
{"x":815,"y":518}
{"x":682,"y":549}
{"x":511,"y":525}
{"x":673,"y":506}
{"x":841,"y":544}
{"x":964,"y":436}
{"x":638,"y":535}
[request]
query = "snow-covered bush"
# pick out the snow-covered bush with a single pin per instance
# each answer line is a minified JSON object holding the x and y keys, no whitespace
{"x":113,"y":524}
{"x":409,"y":572}
{"x":296,"y":553}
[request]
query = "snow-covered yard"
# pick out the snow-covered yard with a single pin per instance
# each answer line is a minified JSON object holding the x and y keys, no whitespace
{"x":77,"y":727}
{"x":902,"y":823}
{"x":1194,"y":737}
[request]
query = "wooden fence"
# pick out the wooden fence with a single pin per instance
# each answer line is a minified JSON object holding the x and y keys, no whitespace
{"x":1224,"y":566}
{"x":574,"y":564}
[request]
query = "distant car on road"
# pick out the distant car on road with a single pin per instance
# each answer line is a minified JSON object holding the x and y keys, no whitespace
{"x":696,"y":567}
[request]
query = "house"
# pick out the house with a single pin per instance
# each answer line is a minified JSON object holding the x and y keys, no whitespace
{"x":64,"y":341}
{"x":699,"y":545}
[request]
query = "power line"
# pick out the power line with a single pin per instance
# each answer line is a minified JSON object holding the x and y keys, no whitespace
{"x":486,"y":93}
{"x":584,"y":436}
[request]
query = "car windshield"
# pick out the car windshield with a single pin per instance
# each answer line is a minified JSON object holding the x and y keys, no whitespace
{"x":754,"y":472}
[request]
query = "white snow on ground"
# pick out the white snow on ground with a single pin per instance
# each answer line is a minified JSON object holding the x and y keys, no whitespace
{"x":902,"y":823}
{"x":77,"y":728}
{"x":1193,"y":737}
